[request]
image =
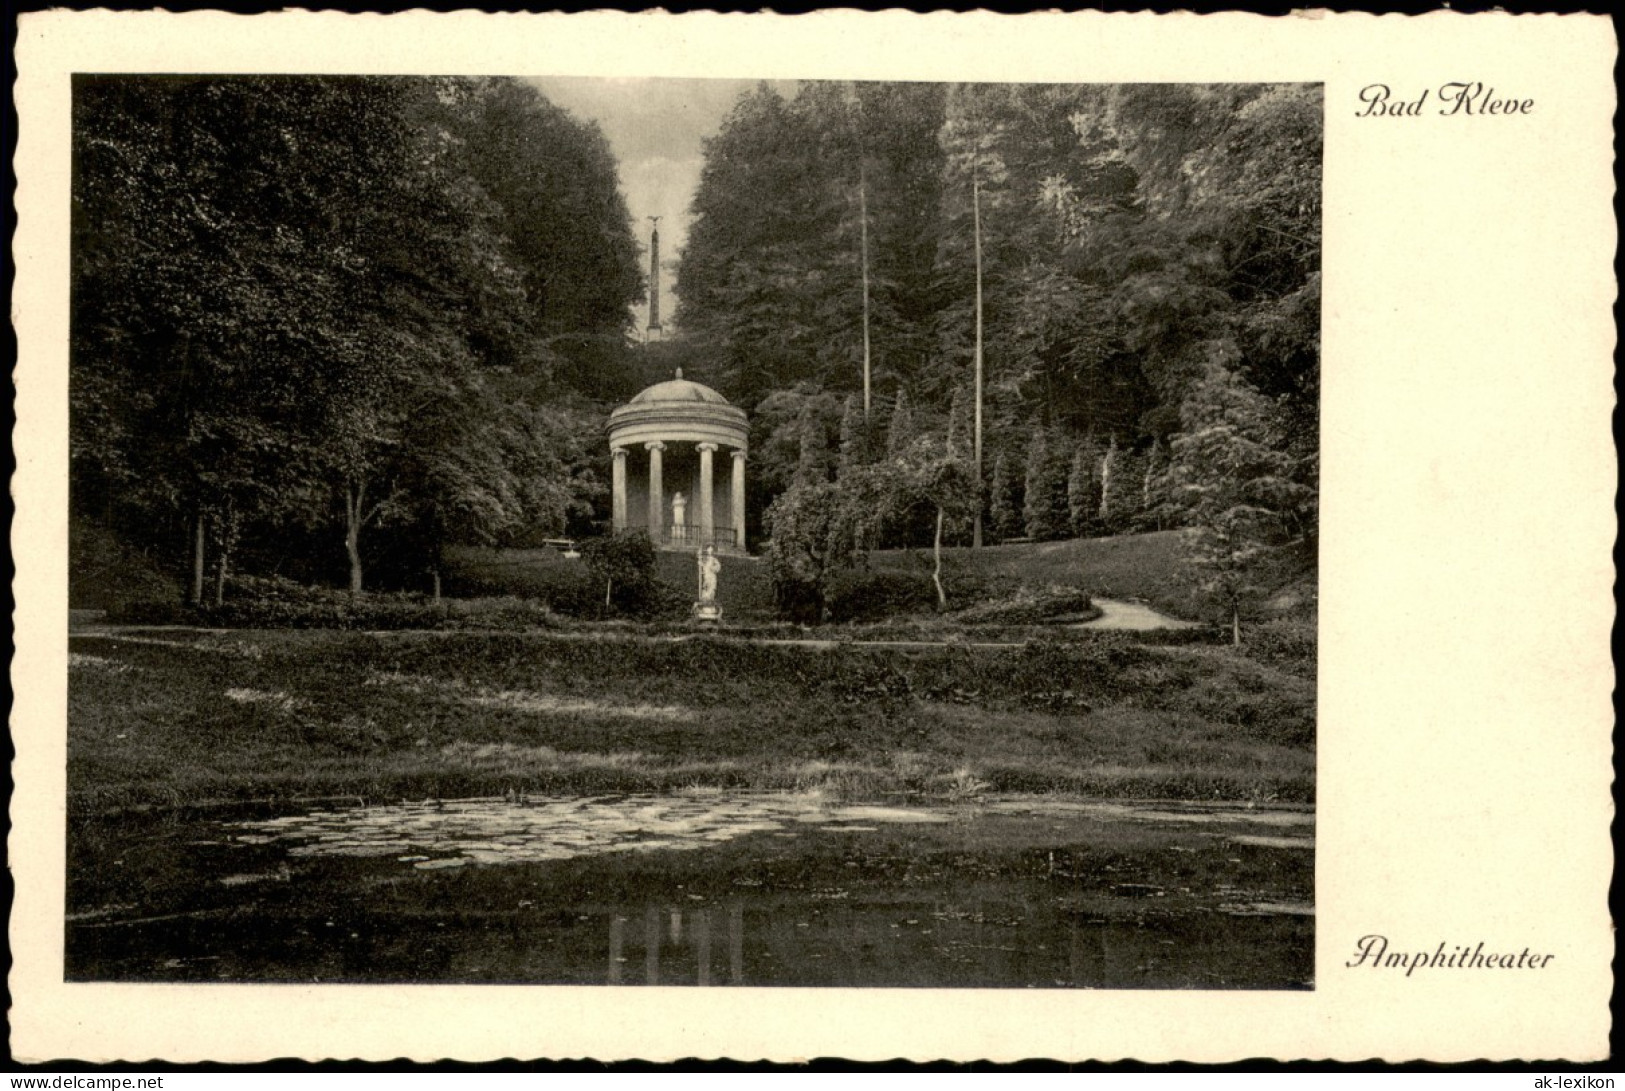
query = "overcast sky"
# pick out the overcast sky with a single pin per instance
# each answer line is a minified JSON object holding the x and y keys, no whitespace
{"x":655,"y":128}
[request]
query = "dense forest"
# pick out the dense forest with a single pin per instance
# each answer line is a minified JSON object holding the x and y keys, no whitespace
{"x":326,"y":324}
{"x":1142,"y":264}
{"x":327,"y":327}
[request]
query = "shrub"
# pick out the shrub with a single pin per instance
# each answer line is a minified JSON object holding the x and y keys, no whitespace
{"x":104,"y":573}
{"x":160,"y":611}
{"x":867,"y":595}
{"x":498,"y":613}
{"x":564,"y":584}
{"x":1287,"y":642}
{"x":621,"y":569}
{"x":1030,"y":605}
{"x":964,"y":580}
{"x":276,"y":603}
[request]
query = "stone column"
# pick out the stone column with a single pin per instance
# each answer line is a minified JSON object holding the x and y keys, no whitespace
{"x":617,"y":488}
{"x":707,"y":509}
{"x":657,"y":493}
{"x":739,"y":499}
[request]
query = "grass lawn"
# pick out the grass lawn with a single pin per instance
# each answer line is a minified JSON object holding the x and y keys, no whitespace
{"x":165,"y":718}
{"x":1149,"y":567}
{"x":745,"y":589}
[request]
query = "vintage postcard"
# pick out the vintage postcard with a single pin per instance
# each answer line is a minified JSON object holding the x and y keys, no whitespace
{"x":848,"y":535}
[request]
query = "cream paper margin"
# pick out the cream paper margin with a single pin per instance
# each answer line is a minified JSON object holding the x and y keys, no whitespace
{"x":1465,"y":612}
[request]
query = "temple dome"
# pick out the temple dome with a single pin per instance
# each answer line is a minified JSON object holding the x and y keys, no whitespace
{"x":682,"y":411}
{"x":678,"y":390}
{"x":680,"y":437}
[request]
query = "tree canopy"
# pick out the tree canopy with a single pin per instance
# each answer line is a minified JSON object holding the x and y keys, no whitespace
{"x":332,"y":325}
{"x":1131,"y":236}
{"x":313,"y":305}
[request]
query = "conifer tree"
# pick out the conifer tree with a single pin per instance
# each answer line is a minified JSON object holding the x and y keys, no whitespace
{"x":900,"y":432}
{"x":1080,"y":490}
{"x":960,"y":422}
{"x":854,"y":437}
{"x":1045,"y":497}
{"x":1154,"y":505}
{"x":812,"y":462}
{"x":1003,"y":512}
{"x":1108,"y":466}
{"x":1238,"y":489}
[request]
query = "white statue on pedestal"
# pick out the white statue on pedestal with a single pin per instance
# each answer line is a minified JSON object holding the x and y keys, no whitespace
{"x":679,"y":510}
{"x":710,"y":565}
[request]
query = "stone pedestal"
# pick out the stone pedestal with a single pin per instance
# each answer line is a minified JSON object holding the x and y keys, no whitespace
{"x":707,"y":611}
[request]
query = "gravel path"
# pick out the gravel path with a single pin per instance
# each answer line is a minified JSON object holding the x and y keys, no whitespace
{"x":1132,"y":615}
{"x":1113,"y":615}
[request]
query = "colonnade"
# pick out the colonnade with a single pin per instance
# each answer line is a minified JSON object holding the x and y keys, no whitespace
{"x":706,"y":517}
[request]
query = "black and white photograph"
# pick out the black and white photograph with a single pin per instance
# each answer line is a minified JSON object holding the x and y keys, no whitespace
{"x":857,"y":536}
{"x":693,"y":532}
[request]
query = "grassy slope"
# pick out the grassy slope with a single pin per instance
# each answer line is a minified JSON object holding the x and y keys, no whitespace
{"x":259,"y":715}
{"x":745,"y":589}
{"x":1130,"y":566}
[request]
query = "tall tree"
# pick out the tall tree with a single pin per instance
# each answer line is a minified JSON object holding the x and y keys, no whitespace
{"x":1125,"y":235}
{"x":554,"y":181}
{"x":230,"y":235}
{"x":813,"y":462}
{"x":932,"y":471}
{"x":900,"y":430}
{"x":1003,"y":510}
{"x":278,"y":281}
{"x":762,"y":247}
{"x":1045,"y":489}
{"x":854,"y":435}
{"x":1081,"y":493}
{"x":1238,"y":489}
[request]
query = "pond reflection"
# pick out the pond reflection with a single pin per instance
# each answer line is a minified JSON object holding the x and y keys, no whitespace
{"x":686,"y":946}
{"x":947,"y":944}
{"x":745,"y":890}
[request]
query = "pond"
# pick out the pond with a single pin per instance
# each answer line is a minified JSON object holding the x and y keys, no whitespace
{"x":702,"y":888}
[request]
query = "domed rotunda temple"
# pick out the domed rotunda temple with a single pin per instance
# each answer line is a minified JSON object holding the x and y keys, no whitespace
{"x":666,"y":479}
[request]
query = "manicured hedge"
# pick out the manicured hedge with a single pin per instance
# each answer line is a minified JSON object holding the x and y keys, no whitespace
{"x":1030,"y":605}
{"x":258,"y":603}
{"x":564,"y":585}
{"x":867,"y":595}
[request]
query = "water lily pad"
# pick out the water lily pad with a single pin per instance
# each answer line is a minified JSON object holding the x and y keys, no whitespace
{"x":437,"y":865}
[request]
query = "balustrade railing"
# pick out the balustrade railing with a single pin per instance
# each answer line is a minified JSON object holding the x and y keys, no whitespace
{"x":688,"y":534}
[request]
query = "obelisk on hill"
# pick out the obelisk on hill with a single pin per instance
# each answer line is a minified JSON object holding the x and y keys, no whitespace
{"x":653,"y":333}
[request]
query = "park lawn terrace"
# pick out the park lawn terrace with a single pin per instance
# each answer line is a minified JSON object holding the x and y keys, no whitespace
{"x":167,"y":718}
